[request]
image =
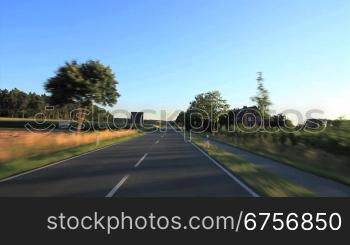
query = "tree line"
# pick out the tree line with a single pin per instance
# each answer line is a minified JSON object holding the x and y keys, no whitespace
{"x":15,"y":103}
{"x":209,"y":111}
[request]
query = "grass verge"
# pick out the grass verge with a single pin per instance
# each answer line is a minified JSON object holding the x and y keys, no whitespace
{"x":20,"y":165}
{"x":266,"y":183}
{"x":312,"y":168}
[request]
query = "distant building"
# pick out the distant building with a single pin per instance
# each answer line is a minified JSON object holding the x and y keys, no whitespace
{"x":136,"y":118}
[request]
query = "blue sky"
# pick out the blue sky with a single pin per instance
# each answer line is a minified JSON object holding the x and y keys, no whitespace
{"x":164,"y":52}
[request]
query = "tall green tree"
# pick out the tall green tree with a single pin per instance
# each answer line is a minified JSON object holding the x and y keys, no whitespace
{"x":262,"y":98}
{"x":83,"y":85}
{"x":212,"y":104}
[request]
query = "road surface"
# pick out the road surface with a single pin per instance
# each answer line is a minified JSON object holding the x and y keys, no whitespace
{"x":154,"y":165}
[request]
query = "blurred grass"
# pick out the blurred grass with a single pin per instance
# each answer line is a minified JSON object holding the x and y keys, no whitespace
{"x":266,"y":183}
{"x":18,"y":144}
{"x":302,"y":156}
{"x":22,"y":164}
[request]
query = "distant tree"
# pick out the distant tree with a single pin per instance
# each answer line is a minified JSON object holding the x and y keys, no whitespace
{"x":4,"y":102}
{"x":262,"y":98}
{"x":83,"y":85}
{"x":212,"y":104}
{"x":180,"y":119}
{"x":17,"y":102}
{"x":36,"y":104}
{"x":341,"y":118}
{"x":280,"y":120}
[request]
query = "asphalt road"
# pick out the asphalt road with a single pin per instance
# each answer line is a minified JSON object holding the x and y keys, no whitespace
{"x":155,"y":165}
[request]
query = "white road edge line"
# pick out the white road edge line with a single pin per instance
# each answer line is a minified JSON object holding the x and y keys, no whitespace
{"x":141,"y":159}
{"x":244,"y":186}
{"x":157,"y":142}
{"x":52,"y":164}
{"x":117,"y":186}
